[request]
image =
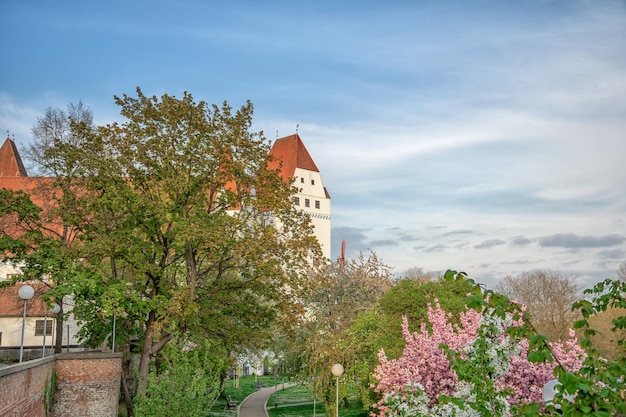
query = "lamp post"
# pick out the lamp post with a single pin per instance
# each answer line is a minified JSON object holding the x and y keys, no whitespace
{"x":54,"y":310}
{"x":25,"y":292}
{"x":337,"y":371}
{"x":113,"y":343}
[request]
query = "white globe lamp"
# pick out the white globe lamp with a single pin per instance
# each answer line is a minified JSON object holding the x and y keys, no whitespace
{"x":337,"y":371}
{"x":25,"y":293}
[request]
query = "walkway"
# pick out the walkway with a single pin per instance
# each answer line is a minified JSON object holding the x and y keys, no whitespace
{"x":254,"y":404}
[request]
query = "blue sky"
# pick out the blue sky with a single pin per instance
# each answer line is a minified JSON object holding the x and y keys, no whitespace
{"x":484,"y":136}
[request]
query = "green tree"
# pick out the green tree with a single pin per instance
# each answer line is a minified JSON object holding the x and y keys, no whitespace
{"x":40,"y":238}
{"x":380,"y":326}
{"x":185,"y":384}
{"x":27,"y":239}
{"x":410,"y":297}
{"x":343,"y":291}
{"x":185,"y":233}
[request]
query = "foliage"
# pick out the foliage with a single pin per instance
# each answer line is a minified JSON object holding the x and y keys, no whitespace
{"x":185,"y":232}
{"x":491,"y":363}
{"x":185,"y":384}
{"x":344,"y":291}
{"x":39,"y":238}
{"x":598,"y":387}
{"x":606,"y":340}
{"x":171,"y":223}
{"x":56,"y":137}
{"x":27,"y":240}
{"x":548,"y":297}
{"x":409,"y":298}
{"x":417,"y":273}
{"x":381,"y":326}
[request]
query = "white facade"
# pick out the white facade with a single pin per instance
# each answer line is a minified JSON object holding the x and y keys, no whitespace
{"x":313,"y":200}
{"x":11,"y":324}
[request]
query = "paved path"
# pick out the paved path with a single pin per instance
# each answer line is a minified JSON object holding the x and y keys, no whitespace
{"x":254,"y":404}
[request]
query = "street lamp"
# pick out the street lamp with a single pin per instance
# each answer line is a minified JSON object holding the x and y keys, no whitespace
{"x":337,"y":371}
{"x":550,"y":390}
{"x":54,"y":310}
{"x":25,"y":292}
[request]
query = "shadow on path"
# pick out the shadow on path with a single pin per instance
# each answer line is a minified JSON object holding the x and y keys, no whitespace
{"x":254,"y":404}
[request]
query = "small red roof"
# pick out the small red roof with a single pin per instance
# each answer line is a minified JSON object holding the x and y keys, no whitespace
{"x":293,"y":154}
{"x":10,"y":162}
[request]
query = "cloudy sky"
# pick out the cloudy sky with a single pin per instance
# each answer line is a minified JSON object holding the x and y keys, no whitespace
{"x":484,"y":136}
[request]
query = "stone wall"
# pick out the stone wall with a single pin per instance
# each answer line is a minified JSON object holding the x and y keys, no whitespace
{"x":86,"y":384}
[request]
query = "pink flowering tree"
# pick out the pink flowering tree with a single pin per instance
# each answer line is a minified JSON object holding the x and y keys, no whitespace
{"x":479,"y":367}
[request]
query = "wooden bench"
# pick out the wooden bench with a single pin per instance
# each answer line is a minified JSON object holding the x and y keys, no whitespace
{"x":258,"y":385}
{"x":230,"y":403}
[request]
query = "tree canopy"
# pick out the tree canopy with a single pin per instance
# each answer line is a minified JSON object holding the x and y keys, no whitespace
{"x":183,"y":231}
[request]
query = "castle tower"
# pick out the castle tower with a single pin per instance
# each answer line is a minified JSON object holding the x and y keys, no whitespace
{"x":299,"y":168}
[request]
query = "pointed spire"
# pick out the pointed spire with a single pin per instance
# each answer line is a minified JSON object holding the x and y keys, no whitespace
{"x":293,"y":154}
{"x":10,"y":162}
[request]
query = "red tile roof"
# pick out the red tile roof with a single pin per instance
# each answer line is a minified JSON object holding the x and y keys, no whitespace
{"x":12,"y":306}
{"x":41,"y":192}
{"x":293,"y":154}
{"x":13,"y":176}
{"x":10,"y":162}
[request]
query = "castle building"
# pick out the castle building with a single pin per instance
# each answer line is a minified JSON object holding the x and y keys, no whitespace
{"x":291,"y":157}
{"x":297,"y":167}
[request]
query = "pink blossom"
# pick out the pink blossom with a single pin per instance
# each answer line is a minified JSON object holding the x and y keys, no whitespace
{"x":423,"y":362}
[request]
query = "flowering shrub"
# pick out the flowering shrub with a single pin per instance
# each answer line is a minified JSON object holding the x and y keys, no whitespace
{"x":476,"y":368}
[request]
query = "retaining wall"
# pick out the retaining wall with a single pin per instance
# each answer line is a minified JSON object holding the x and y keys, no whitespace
{"x":22,"y":387}
{"x":85,"y":384}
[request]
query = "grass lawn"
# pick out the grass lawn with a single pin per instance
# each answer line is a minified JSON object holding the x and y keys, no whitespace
{"x":297,"y":401}
{"x":307,"y":411}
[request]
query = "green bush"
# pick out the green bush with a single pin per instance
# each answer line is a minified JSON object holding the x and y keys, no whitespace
{"x":186,"y":384}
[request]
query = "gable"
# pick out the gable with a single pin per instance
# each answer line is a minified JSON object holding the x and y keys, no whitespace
{"x":291,"y":151}
{"x":10,"y":162}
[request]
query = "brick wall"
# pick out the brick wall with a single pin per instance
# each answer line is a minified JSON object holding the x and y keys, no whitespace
{"x":87,"y":385}
{"x":22,"y":388}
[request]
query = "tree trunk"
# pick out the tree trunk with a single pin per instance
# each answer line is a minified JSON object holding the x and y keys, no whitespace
{"x":127,"y":400}
{"x":146,"y":355}
{"x":58,"y":338}
{"x":148,"y":350}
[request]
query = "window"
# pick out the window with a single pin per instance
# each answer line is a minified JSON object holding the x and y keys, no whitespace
{"x":0,"y":338}
{"x":39,"y":327}
{"x":307,"y":202}
{"x":317,"y":204}
{"x":312,"y":182}
{"x":302,"y":180}
{"x":296,"y":201}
